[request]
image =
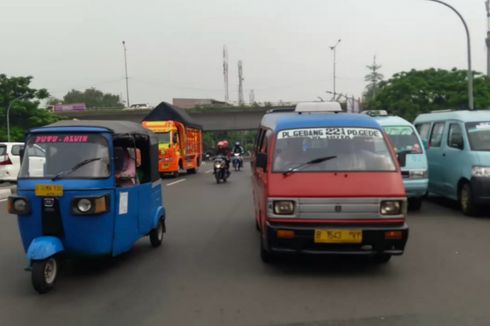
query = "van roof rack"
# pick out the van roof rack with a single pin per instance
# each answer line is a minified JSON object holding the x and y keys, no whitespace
{"x":318,"y":107}
{"x":376,"y":113}
{"x":279,"y":110}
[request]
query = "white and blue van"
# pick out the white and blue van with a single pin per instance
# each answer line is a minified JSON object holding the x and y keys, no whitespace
{"x":410,"y":152}
{"x":459,"y":155}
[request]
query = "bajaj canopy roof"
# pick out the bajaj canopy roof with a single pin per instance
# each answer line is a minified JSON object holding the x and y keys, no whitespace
{"x":116,"y":127}
{"x":165,"y":112}
{"x":281,"y":121}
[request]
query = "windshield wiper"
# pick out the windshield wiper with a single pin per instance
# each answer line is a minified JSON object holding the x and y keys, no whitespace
{"x":315,"y":161}
{"x":76,"y":167}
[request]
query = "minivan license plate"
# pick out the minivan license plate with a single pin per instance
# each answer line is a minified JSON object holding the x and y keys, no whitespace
{"x":49,"y":190}
{"x":338,"y":236}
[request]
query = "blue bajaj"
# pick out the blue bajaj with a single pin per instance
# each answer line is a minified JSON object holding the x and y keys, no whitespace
{"x":86,"y":189}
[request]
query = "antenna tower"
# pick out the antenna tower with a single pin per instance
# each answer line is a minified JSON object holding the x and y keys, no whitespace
{"x":251,"y":97}
{"x":240,"y":83}
{"x":225,"y":72}
{"x":487,"y":5}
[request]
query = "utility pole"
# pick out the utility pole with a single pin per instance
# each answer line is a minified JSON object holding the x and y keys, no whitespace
{"x":487,"y":5}
{"x":126,"y":71}
{"x":225,"y":72}
{"x":468,"y":50}
{"x":240,"y":83}
{"x":334,"y":49}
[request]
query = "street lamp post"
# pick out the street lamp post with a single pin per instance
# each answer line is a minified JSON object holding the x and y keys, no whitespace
{"x":470,"y":72}
{"x":126,"y":71}
{"x":334,"y":49}
{"x":8,"y":114}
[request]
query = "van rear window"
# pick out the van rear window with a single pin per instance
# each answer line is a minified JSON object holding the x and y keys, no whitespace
{"x":479,"y":135}
{"x":404,"y":139}
{"x":347,"y":149}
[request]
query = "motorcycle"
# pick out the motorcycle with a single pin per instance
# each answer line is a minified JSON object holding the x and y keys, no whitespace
{"x":220,"y":169}
{"x":237,"y":161}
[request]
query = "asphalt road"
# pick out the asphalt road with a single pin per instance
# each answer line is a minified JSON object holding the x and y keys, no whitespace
{"x":209,"y":273}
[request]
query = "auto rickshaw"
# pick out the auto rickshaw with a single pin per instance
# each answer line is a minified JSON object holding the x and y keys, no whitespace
{"x":97,"y":193}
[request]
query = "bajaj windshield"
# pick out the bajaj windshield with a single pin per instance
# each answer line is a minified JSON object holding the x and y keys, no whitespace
{"x":66,"y":156}
{"x":332,"y":149}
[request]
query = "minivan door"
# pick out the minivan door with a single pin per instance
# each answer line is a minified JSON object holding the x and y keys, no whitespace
{"x":436,"y":158}
{"x":455,"y":156}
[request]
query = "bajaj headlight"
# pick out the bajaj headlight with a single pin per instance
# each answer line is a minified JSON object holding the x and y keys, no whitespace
{"x":90,"y":205}
{"x":480,"y":171}
{"x":391,"y":207}
{"x":18,"y":205}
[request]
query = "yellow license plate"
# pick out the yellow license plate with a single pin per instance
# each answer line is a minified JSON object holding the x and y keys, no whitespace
{"x":338,"y":236}
{"x":49,"y":190}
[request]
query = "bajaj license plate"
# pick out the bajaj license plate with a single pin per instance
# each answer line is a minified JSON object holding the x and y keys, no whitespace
{"x":338,"y":236}
{"x":49,"y":190}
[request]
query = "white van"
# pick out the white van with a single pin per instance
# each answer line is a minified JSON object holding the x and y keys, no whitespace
{"x":10,"y":160}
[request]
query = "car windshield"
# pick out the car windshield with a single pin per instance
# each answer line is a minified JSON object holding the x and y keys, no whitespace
{"x":404,"y":139}
{"x":353,"y":149}
{"x":50,"y":155}
{"x":479,"y":135}
{"x":163,"y":137}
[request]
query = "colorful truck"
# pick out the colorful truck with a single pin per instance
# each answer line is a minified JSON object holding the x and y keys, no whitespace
{"x":179,"y":139}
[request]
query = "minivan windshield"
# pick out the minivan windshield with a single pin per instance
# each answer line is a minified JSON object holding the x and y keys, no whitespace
{"x":479,"y":135}
{"x":404,"y":139}
{"x":350,"y":149}
{"x":66,"y":156}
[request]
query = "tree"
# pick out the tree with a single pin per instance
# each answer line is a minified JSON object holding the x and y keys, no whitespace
{"x":417,"y":91}
{"x":93,"y":98}
{"x":374,"y":78}
{"x":24,"y":112}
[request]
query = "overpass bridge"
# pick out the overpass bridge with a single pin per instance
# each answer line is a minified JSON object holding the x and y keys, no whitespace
{"x":212,"y":119}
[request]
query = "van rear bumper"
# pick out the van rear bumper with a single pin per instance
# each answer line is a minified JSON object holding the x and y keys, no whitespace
{"x":416,"y":188}
{"x":480,"y":189}
{"x":373,"y":240}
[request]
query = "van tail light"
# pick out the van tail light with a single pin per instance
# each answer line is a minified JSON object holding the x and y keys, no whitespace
{"x":5,"y":160}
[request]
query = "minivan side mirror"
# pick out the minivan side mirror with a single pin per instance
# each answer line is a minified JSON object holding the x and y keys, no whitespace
{"x":261,"y":161}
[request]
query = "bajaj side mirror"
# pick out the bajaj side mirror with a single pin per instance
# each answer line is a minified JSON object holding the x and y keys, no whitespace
{"x":21,"y":155}
{"x":261,"y":161}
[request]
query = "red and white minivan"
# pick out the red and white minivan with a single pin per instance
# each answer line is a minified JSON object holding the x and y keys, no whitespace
{"x":327,"y":182}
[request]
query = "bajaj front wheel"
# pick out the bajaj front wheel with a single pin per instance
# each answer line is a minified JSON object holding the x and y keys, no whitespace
{"x":156,"y":235}
{"x":44,"y":274}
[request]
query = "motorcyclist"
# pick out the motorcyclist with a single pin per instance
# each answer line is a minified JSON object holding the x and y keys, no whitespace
{"x":224,"y":151}
{"x":238,"y":149}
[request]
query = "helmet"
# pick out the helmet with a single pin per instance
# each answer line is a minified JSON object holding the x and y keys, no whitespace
{"x":225,"y":143}
{"x":237,"y":143}
{"x":221,"y":144}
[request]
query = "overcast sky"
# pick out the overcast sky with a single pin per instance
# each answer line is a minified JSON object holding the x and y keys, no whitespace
{"x":174,"y":47}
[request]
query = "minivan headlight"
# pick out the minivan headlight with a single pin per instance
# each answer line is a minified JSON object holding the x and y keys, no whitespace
{"x":418,"y":174}
{"x":283,"y":207}
{"x":480,"y":171}
{"x":391,"y":207}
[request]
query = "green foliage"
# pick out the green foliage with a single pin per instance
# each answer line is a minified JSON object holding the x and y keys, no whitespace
{"x":246,"y":138}
{"x":24,"y":112}
{"x":411,"y":93}
{"x":93,"y":98}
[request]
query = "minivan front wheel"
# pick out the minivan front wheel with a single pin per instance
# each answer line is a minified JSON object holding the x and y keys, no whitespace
{"x":466,"y":201}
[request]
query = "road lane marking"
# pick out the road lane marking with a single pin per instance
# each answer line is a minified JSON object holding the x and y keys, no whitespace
{"x":209,"y":171}
{"x":2,"y":200}
{"x":175,"y":182}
